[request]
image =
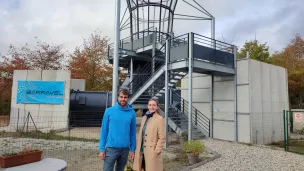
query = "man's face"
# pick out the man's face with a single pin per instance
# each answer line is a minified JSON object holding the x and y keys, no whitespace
{"x":122,"y":99}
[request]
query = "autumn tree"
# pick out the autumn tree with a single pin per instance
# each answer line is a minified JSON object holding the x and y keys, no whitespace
{"x":292,"y":58}
{"x":256,"y":51}
{"x":7,"y":67}
{"x":41,"y":56}
{"x":89,"y":62}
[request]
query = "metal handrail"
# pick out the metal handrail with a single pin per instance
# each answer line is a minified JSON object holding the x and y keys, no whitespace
{"x":139,"y":35}
{"x":144,"y":74}
{"x":183,"y":108}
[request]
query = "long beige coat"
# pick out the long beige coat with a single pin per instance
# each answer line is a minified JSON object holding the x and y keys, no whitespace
{"x":153,"y":145}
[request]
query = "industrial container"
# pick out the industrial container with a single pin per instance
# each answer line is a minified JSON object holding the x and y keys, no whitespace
{"x":87,"y":108}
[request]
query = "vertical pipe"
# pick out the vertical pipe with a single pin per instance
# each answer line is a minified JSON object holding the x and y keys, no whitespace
{"x":131,"y":75}
{"x":148,"y":17}
{"x":235,"y":98}
{"x":171,"y":96}
{"x":195,"y":117}
{"x":288,"y":113}
{"x":213,"y":32}
{"x":285,"y":139}
{"x":211,"y":106}
{"x":137,"y":19}
{"x":131,"y":30}
{"x":166,"y":90}
{"x":153,"y":59}
{"x":160,"y":13}
{"x":18,"y":119}
{"x":116,"y":53}
{"x":107,"y":100}
{"x":190,"y":86}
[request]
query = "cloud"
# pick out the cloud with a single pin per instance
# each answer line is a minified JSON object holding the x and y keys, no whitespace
{"x":274,"y":22}
{"x":68,"y":22}
{"x":56,"y":21}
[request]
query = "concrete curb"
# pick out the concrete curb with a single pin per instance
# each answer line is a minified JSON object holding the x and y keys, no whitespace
{"x":194,"y":166}
{"x":201,"y":163}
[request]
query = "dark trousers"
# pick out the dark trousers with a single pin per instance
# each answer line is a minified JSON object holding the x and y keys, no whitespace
{"x":118,"y":156}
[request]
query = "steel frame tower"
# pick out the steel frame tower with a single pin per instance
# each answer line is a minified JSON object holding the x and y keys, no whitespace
{"x":157,"y":59}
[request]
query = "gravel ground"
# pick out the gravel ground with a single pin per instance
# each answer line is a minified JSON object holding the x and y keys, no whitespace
{"x":80,"y":156}
{"x":240,"y":157}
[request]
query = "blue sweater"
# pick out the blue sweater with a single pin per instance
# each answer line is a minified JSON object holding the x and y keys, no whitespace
{"x":118,"y":129}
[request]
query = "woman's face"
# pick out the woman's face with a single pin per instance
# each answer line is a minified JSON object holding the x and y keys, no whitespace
{"x":152,"y":106}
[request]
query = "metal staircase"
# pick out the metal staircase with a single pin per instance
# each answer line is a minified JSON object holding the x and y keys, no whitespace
{"x":143,"y":52}
{"x":178,"y":114}
{"x":146,"y":84}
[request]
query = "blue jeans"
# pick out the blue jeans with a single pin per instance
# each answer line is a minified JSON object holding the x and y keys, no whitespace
{"x":118,"y":155}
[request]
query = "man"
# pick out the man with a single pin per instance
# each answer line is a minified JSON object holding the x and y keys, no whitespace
{"x":118,"y":134}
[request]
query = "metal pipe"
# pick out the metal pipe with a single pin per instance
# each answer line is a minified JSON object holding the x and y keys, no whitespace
{"x":166,"y":90}
{"x":116,"y":52}
{"x":153,"y":59}
{"x":211,"y":105}
{"x":107,"y":100}
{"x":171,"y":96}
{"x":213,"y":32}
{"x":131,"y":75}
{"x":235,"y":98}
{"x":190,"y":86}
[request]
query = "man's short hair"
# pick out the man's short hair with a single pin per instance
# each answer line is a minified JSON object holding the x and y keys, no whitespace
{"x":123,"y":91}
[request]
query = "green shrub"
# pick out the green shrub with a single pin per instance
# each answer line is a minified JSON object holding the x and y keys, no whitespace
{"x":194,"y":147}
{"x":184,"y":135}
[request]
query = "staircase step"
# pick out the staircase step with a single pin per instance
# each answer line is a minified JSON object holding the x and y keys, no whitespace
{"x":181,"y":74}
{"x":143,"y":98}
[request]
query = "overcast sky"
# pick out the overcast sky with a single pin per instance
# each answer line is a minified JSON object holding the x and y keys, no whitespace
{"x":67,"y":22}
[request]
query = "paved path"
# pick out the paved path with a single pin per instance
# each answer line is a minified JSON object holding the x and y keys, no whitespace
{"x":239,"y":157}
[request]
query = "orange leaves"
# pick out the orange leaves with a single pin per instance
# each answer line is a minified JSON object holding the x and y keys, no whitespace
{"x":41,"y":56}
{"x":90,"y":63}
{"x":292,"y":58}
{"x":7,"y":67}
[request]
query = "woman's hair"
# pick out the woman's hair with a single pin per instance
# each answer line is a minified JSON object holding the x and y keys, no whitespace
{"x":156,"y":101}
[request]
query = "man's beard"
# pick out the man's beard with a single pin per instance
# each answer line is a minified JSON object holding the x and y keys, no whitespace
{"x":125,"y":104}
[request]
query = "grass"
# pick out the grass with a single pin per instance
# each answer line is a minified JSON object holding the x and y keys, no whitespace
{"x":46,"y":136}
{"x":293,"y":145}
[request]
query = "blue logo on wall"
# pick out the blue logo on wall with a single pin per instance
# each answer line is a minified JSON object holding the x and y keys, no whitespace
{"x":40,"y":92}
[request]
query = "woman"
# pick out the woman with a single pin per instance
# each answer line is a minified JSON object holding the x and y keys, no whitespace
{"x":150,"y":140}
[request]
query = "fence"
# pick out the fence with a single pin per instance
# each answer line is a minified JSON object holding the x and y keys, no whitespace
{"x":294,"y":131}
{"x":58,"y":137}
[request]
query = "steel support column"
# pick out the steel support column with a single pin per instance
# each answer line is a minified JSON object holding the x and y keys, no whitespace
{"x":131,"y":75}
{"x":153,"y":61}
{"x":235,"y":98}
{"x":171,"y":96}
{"x":213,"y":32}
{"x":190,"y":86}
{"x":211,"y":105}
{"x":116,"y":52}
{"x":166,"y":90}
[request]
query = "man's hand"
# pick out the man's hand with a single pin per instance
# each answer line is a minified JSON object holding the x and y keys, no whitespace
{"x":132,"y":155}
{"x":102,"y":155}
